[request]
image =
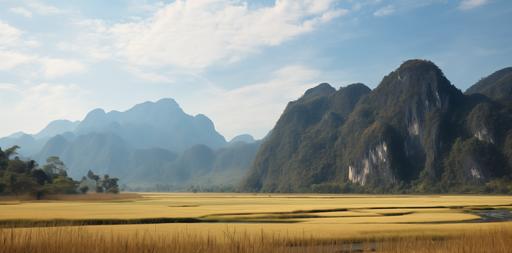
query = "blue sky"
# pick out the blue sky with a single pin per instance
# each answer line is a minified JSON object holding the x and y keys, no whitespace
{"x":239,"y":62}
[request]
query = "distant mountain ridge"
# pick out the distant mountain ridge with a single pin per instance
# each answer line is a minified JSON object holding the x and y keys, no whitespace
{"x":415,"y":132}
{"x":31,"y":144}
{"x":155,"y":124}
{"x":152,"y":142}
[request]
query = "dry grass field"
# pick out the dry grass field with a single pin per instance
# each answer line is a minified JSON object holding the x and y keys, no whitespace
{"x":187,"y":222}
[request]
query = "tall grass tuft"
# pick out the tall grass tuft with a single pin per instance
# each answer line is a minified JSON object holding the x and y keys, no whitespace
{"x":83,"y":240}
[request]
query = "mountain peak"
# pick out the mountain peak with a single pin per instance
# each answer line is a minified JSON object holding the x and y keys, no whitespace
{"x":17,"y":134}
{"x":167,"y":101}
{"x":418,"y":65}
{"x":96,"y":112}
{"x":320,"y":90}
{"x":164,"y":103}
{"x":57,"y":127}
{"x":417,"y":78}
{"x":356,"y":87}
{"x":247,"y":138}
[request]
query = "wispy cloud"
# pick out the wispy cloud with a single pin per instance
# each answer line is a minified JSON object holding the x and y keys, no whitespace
{"x":8,"y":87}
{"x":471,"y":4}
{"x":10,"y":42}
{"x":254,"y":108}
{"x":54,"y":67}
{"x":42,"y":8}
{"x":195,"y":34}
{"x":21,"y":11}
{"x":15,"y":51}
{"x":9,"y":35}
{"x":384,"y":11}
{"x":33,"y":107}
{"x":12,"y":59}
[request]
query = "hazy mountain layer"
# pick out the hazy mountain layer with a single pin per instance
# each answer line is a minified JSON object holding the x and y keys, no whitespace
{"x":160,"y":124}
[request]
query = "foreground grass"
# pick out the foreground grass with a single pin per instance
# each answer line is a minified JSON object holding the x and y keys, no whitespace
{"x":256,"y":223}
{"x":80,"y":240}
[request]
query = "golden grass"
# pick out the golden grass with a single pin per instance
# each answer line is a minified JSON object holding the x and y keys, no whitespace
{"x":159,"y":205}
{"x":499,"y":240}
{"x":78,"y":240}
{"x":251,"y":223}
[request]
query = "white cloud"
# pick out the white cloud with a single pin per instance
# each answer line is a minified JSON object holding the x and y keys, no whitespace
{"x":54,"y":67}
{"x":145,"y":5}
{"x":29,"y":109}
{"x":384,"y":11}
{"x":12,"y":59}
{"x":9,"y":35}
{"x":8,"y":87}
{"x":21,"y":11}
{"x":15,"y":50}
{"x":471,"y":4}
{"x":11,"y":45}
{"x":43,"y":8}
{"x":256,"y":107}
{"x":195,"y":34}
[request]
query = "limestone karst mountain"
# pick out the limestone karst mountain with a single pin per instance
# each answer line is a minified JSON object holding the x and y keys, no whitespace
{"x":414,"y":132}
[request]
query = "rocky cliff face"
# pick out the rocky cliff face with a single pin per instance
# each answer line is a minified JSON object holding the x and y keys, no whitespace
{"x":399,"y":137}
{"x":301,"y":149}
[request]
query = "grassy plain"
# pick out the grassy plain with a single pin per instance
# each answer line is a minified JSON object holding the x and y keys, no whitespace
{"x":262,"y":222}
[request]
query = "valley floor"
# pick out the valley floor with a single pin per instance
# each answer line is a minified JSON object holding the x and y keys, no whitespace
{"x":160,"y":222}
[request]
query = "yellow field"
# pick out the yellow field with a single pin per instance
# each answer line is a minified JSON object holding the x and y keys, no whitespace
{"x":225,"y":217}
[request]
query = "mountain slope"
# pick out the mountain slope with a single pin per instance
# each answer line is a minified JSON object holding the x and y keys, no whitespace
{"x":152,"y":143}
{"x":299,"y":150}
{"x":57,"y":127}
{"x":160,"y":124}
{"x":497,"y":86}
{"x":414,"y":132}
{"x":32,"y":144}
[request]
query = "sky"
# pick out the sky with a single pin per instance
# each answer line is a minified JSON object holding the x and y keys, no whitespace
{"x":237,"y":61}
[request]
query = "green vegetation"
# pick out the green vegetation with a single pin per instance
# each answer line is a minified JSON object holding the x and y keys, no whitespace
{"x":26,"y":177}
{"x":414,"y":133}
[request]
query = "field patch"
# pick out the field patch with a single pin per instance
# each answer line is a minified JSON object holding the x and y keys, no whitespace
{"x":161,"y":208}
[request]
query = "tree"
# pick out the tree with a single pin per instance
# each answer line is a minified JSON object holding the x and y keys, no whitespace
{"x":54,"y":166}
{"x":107,"y":184}
{"x":92,"y":176}
{"x":63,"y":185}
{"x":83,"y":189}
{"x":19,"y":183}
{"x":11,"y":151}
{"x":17,"y":165}
{"x":41,"y":177}
{"x":3,"y":160}
{"x":18,"y":176}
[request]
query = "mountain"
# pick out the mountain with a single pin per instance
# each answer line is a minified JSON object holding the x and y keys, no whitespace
{"x":497,"y":86}
{"x":144,"y":168}
{"x":154,"y":124}
{"x":31,"y":144}
{"x":415,"y":132}
{"x":247,"y":138}
{"x":99,"y":152}
{"x":57,"y":127}
{"x":151,"y":143}
{"x":301,"y":145}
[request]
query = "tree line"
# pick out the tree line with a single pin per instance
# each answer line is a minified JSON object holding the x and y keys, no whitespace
{"x":26,"y":177}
